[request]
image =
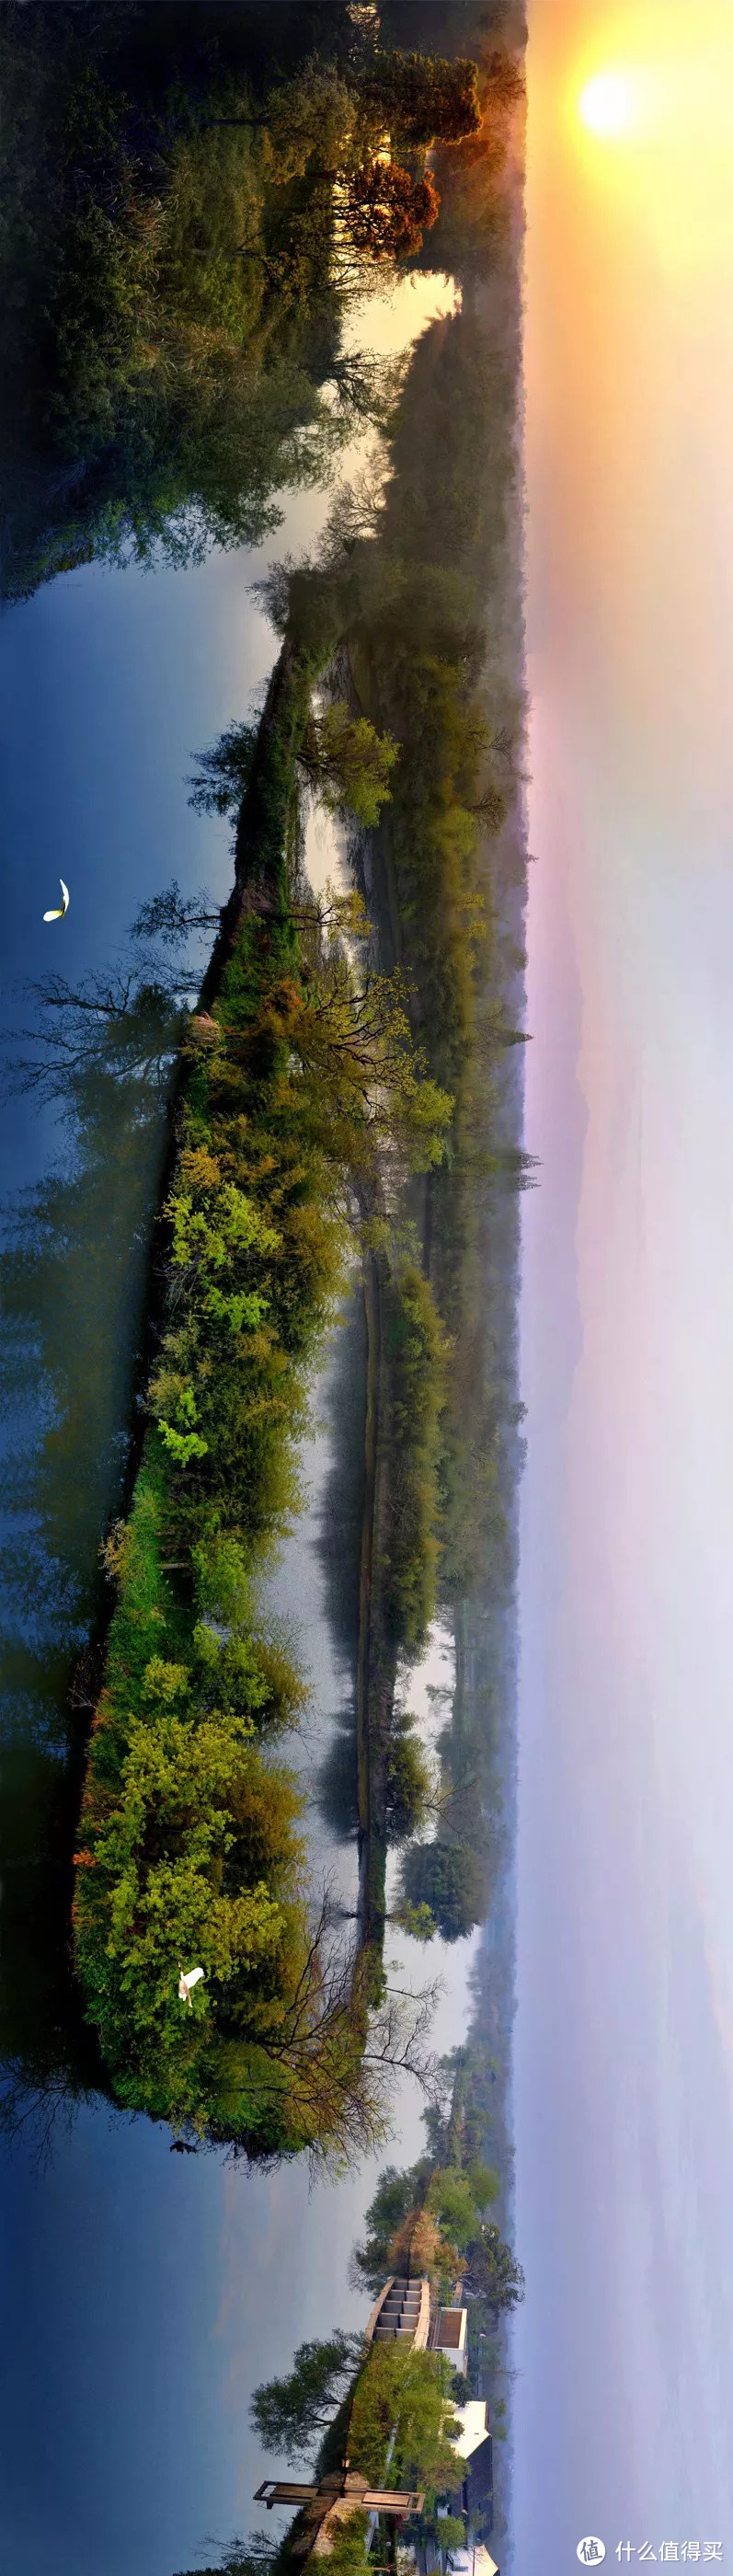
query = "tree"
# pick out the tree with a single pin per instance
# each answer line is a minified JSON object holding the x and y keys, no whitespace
{"x":347,"y":763}
{"x":342,"y":757}
{"x":350,"y":1028}
{"x":460,"y":2388}
{"x":416,"y":1920}
{"x":386,"y":212}
{"x":171,"y":916}
{"x":337,"y":2051}
{"x":502,"y":82}
{"x":255,"y":2556}
{"x":219,"y":781}
{"x":404,"y":2396}
{"x":485,"y":2184}
{"x":452,"y":2199}
{"x":408,"y":1782}
{"x":424,"y":98}
{"x":449,"y":2530}
{"x":291,"y":2414}
{"x":394,"y":2197}
{"x":122,"y":1026}
{"x":492,"y":2273}
{"x":447,"y":1876}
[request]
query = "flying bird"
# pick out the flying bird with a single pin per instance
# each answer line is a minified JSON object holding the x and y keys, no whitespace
{"x":187,"y":1979}
{"x":61,"y":908}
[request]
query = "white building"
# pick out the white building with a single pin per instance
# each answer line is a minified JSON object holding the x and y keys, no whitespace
{"x":472,"y":2420}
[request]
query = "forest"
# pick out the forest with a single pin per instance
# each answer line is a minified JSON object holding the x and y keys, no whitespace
{"x":185,"y":209}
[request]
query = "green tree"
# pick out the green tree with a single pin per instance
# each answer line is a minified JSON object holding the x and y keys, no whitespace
{"x":408,"y":1782}
{"x":350,"y":1029}
{"x":416,"y":1351}
{"x":292,"y":2414}
{"x":343,"y":758}
{"x":347,"y":2544}
{"x":452,"y":2200}
{"x":449,"y":1877}
{"x":485,"y":2184}
{"x":347,"y":763}
{"x":416,"y":1920}
{"x":492,"y":2273}
{"x":394,"y":2197}
{"x":448,"y":2530}
{"x":403,"y":2398}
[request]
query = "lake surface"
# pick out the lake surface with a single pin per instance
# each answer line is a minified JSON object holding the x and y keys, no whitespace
{"x":143,"y":2295}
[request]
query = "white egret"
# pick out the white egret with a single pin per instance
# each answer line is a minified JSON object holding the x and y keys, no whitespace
{"x":186,"y":1979}
{"x":61,"y":908}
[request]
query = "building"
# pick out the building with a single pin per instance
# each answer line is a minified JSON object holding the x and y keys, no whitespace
{"x":401,"y":2314}
{"x":473,"y":2419}
{"x":476,"y":2449}
{"x":449,"y":2333}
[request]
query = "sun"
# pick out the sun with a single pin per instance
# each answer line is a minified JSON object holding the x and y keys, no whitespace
{"x":608,"y":104}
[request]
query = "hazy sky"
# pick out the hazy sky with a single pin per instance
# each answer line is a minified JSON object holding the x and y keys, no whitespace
{"x":625,"y":2028}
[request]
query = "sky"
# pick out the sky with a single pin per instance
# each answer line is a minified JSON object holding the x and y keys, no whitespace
{"x":624,"y":2062}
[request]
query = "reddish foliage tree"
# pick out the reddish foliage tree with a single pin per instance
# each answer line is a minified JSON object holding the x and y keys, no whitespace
{"x":388,"y":212}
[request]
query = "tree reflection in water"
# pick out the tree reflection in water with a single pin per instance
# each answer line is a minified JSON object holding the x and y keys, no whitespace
{"x":74,"y":1272}
{"x":339,"y":1547}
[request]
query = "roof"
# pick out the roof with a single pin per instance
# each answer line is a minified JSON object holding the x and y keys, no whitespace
{"x":450,"y":2330}
{"x":479,"y":2480}
{"x":472,"y":2420}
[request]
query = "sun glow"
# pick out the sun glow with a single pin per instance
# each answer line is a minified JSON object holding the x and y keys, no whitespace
{"x":653,"y":125}
{"x":608,"y":105}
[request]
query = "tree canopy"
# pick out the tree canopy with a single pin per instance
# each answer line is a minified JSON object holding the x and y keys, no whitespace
{"x":492,"y":2273}
{"x":292,"y":2414}
{"x":425,"y":99}
{"x":408,"y":1781}
{"x":342,"y":758}
{"x":449,"y":1878}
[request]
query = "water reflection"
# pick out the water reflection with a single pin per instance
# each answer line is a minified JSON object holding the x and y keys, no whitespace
{"x":73,"y":1274}
{"x":339,"y":1548}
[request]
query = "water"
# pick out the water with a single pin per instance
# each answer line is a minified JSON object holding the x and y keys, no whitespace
{"x":143,"y":2294}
